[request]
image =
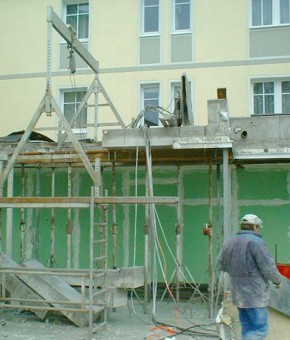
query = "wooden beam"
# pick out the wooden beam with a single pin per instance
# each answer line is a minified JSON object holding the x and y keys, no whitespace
{"x":80,"y":202}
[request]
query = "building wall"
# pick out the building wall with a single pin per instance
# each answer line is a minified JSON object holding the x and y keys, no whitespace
{"x":221,"y":58}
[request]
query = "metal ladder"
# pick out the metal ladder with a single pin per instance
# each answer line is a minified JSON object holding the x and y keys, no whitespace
{"x":98,"y":263}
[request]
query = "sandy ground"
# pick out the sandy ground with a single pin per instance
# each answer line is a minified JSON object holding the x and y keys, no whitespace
{"x":129,"y":322}
{"x":279,"y":326}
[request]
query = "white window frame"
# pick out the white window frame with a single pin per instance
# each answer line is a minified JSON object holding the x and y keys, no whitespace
{"x":173,"y":18}
{"x":142,"y":20}
{"x":62,"y":91}
{"x":65,"y":3}
{"x":276,"y":19}
{"x":277,"y":93}
{"x":142,"y":87}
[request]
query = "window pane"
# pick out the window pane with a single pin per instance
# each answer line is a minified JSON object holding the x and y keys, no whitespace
{"x":83,"y":26}
{"x":267,"y":12}
{"x":284,"y":12}
{"x":269,"y":87}
{"x":151,"y":2}
{"x":182,"y":14}
{"x":286,"y":86}
{"x":151,"y":16}
{"x":264,"y":98}
{"x":151,"y":95}
{"x":258,"y":88}
{"x":80,"y":95}
{"x":69,"y":97}
{"x":177,"y":90}
{"x":258,"y":105}
{"x":286,"y":103}
{"x":71,"y":103}
{"x":72,"y":20}
{"x":269,"y":104}
{"x":256,"y":13}
{"x":151,"y":98}
{"x":71,"y":9}
{"x":68,"y":111}
{"x":84,"y":8}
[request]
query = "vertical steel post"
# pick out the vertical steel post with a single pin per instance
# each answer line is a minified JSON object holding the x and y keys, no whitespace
{"x":69,"y":225}
{"x":210,"y":243}
{"x":114,"y":226}
{"x":91,"y":261}
{"x":52,"y":222}
{"x":1,"y":195}
{"x":226,"y":181}
{"x":146,"y":253}
{"x":48,"y":64}
{"x":96,"y":108}
{"x":219,"y":213}
{"x":179,"y":233}
{"x":37,"y":215}
{"x":227,"y":213}
{"x":22,"y":214}
{"x":9,"y":212}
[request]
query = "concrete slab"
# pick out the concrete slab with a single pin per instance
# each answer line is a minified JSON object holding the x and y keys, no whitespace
{"x":53,"y":288}
{"x":18,"y":289}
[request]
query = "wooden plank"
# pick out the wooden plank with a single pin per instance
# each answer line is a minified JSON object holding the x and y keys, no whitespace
{"x":83,"y":202}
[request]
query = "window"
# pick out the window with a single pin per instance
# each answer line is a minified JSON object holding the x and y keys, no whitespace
{"x":285,"y":87}
{"x":149,"y":101}
{"x":270,"y":12}
{"x":181,"y":100}
{"x":270,"y":97}
{"x":71,"y":101}
{"x":181,"y":15}
{"x":150,"y":16}
{"x":77,"y":15}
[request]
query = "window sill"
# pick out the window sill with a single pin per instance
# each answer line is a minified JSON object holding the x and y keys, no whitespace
{"x":252,"y":28}
{"x":149,"y":35}
{"x":186,"y":32}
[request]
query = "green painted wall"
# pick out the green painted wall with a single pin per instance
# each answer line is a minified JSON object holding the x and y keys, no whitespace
{"x":262,"y":190}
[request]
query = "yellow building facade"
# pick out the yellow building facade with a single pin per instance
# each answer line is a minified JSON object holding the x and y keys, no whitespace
{"x":143,"y":47}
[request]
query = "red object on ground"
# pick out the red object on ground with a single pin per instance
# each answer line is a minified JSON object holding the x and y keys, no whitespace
{"x":284,"y":269}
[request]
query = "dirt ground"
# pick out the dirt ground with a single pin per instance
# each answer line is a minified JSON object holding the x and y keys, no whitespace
{"x":130,"y":323}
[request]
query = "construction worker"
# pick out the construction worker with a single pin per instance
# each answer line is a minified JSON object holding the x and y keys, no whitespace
{"x":250,"y":267}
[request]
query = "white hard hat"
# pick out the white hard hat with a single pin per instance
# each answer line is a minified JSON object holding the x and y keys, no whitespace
{"x":252,"y":219}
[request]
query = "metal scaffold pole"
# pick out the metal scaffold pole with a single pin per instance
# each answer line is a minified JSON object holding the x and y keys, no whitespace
{"x":179,"y":234}
{"x":52,"y":222}
{"x":114,"y":222}
{"x":210,"y":244}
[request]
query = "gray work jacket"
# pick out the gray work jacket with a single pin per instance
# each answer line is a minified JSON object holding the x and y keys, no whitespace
{"x":250,"y":267}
